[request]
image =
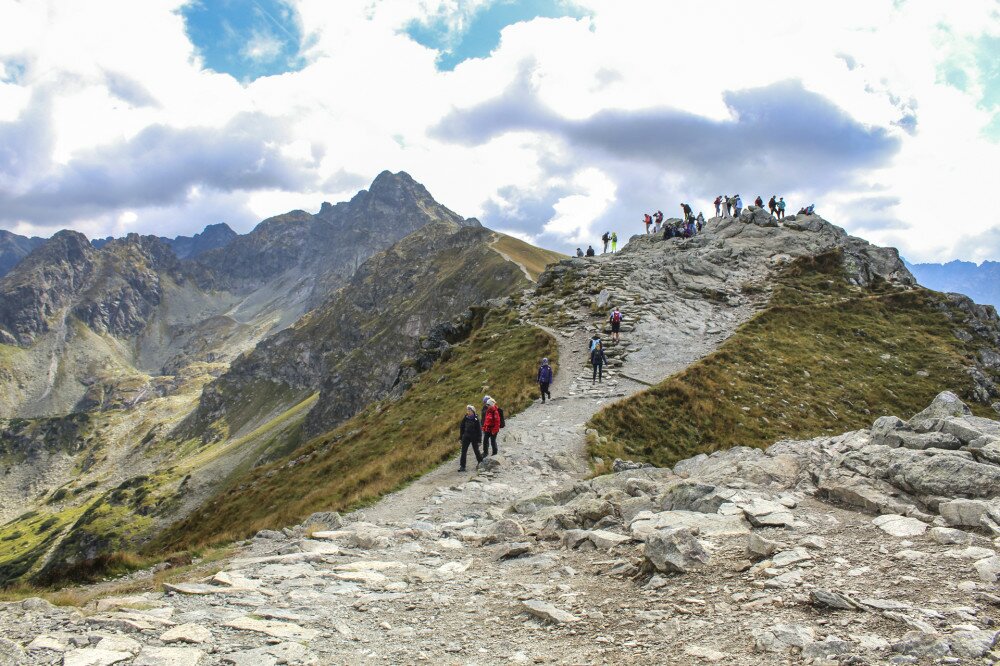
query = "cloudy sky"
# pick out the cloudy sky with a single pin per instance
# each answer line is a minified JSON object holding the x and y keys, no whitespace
{"x":550,"y":119}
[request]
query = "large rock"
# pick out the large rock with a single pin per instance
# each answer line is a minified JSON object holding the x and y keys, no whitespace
{"x":675,"y":550}
{"x":783,"y":637}
{"x":971,"y":513}
{"x":546,"y":611}
{"x":900,"y":526}
{"x":705,"y":524}
{"x":944,"y":405}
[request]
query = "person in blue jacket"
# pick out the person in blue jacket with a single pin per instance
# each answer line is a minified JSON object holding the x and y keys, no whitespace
{"x":545,"y":378}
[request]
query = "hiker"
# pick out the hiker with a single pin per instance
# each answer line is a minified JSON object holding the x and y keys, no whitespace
{"x":590,"y":251}
{"x":545,"y":378}
{"x":469,"y":432}
{"x":579,"y":252}
{"x":686,"y":209}
{"x":647,"y":219}
{"x":729,"y":206}
{"x":758,"y":202}
{"x":492,"y":423}
{"x":614,"y":242}
{"x":781,"y":208}
{"x":700,"y":220}
{"x":597,"y":360}
{"x":669,"y":231}
{"x":772,"y":204}
{"x":737,"y":205}
{"x":594,"y":341}
{"x":718,"y":205}
{"x":606,"y":238}
{"x":616,"y":324}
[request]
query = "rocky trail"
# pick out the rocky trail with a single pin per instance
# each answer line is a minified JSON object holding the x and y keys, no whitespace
{"x":870,"y":547}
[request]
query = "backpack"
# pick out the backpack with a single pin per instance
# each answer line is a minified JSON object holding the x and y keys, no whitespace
{"x":616,"y":317}
{"x":500,"y":411}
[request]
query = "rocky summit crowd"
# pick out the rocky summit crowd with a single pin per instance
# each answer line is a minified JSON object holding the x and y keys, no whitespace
{"x":688,"y":224}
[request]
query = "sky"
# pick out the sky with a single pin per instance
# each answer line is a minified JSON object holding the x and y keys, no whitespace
{"x":552,"y":120}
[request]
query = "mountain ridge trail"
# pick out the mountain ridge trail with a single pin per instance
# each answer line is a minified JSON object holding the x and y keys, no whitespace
{"x":744,"y":556}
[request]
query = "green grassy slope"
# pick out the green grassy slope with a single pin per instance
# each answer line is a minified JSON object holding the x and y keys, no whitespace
{"x":385,"y":446}
{"x":823,"y":358}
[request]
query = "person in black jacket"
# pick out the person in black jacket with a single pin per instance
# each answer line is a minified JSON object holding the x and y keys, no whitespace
{"x":470,"y":432}
{"x":598,"y":359}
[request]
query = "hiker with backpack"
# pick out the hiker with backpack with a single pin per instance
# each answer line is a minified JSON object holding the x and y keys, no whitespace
{"x":658,"y":218}
{"x":737,"y":205}
{"x":492,"y":422}
{"x":579,"y":252}
{"x":590,"y":251}
{"x":614,"y":242}
{"x":593,"y":342}
{"x":781,"y":208}
{"x":469,"y":433}
{"x":616,"y":324}
{"x":718,"y":205}
{"x":772,"y":204}
{"x":729,"y":207}
{"x":647,"y":219}
{"x":686,"y":209}
{"x":758,"y":202}
{"x":606,"y":238}
{"x":700,"y":221}
{"x":597,"y":361}
{"x":545,"y":379}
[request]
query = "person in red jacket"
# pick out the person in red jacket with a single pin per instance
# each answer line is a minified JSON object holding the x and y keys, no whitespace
{"x":491,"y":426}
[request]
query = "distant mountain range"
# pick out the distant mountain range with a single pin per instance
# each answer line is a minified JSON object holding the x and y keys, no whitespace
{"x":213,"y":237}
{"x":980,"y":282}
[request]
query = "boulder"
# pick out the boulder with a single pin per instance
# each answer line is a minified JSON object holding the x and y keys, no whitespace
{"x":948,"y":536}
{"x":705,"y":524}
{"x":783,"y":637}
{"x":970,"y":513}
{"x":764,"y":513}
{"x":546,"y":611}
{"x":945,"y":404}
{"x":925,"y":440}
{"x":900,"y":526}
{"x":988,"y":569}
{"x":758,"y":547}
{"x":922,"y":645}
{"x":829,"y":599}
{"x":972,"y":644}
{"x":675,"y":550}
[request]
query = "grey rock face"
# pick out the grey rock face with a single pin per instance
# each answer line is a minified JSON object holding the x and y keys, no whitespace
{"x":675,"y":551}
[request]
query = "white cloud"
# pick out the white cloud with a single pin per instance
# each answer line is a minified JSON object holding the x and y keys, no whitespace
{"x":369,"y":98}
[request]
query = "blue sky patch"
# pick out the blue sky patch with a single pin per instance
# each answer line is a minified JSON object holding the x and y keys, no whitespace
{"x":246,"y":39}
{"x":481,"y":33}
{"x":988,"y":61}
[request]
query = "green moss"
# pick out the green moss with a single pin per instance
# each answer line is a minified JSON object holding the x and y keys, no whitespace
{"x":823,"y":358}
{"x":390,"y":443}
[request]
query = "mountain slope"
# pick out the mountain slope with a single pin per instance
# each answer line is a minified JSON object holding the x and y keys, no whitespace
{"x":14,"y":248}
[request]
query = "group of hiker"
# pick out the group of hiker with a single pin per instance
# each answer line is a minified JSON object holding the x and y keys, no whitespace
{"x":686,"y":227}
{"x":732,"y":206}
{"x":475,"y":429}
{"x":609,"y":238}
{"x":483,"y":428}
